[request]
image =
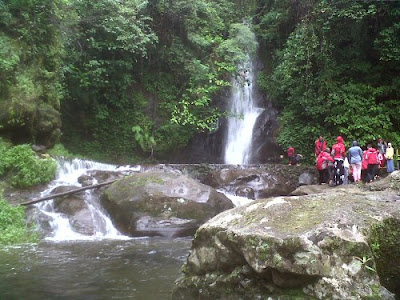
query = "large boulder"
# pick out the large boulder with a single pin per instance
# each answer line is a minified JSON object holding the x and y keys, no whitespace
{"x":338,"y":244}
{"x":261,"y":182}
{"x":162,"y":203}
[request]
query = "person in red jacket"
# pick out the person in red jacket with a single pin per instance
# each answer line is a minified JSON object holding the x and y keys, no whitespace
{"x":339,"y":149}
{"x":324,"y":160}
{"x":320,"y":146}
{"x":373,"y":162}
{"x":290,"y":154}
{"x":339,"y":153}
{"x":294,"y":158}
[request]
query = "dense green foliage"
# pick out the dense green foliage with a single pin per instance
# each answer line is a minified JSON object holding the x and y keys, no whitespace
{"x":13,"y":228}
{"x":163,"y":67}
{"x":153,"y":65}
{"x":23,"y":168}
{"x":31,"y":51}
{"x":335,"y":69}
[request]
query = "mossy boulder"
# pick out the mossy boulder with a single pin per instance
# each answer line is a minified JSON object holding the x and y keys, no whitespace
{"x":303,"y":247}
{"x":162,"y":203}
{"x":30,"y":121}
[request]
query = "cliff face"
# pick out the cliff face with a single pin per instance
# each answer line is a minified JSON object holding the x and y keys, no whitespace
{"x":330,"y":245}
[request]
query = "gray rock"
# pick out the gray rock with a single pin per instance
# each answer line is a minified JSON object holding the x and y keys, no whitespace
{"x":75,"y":208}
{"x":307,"y":178}
{"x":266,"y":181}
{"x":329,"y":245}
{"x":165,"y":199}
{"x":86,"y":180}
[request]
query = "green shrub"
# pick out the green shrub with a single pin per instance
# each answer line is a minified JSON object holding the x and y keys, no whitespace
{"x":23,"y":168}
{"x":60,"y":150}
{"x":13,"y":228}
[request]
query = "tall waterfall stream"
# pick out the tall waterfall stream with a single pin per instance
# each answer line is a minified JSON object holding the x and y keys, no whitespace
{"x":245,"y":113}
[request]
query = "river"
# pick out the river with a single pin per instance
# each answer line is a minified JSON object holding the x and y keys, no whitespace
{"x":144,"y":268}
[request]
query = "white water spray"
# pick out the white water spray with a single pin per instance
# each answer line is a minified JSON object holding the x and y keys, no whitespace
{"x":68,"y":173}
{"x":245,"y":113}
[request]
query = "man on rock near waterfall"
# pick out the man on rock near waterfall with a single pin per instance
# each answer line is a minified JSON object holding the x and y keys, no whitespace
{"x":320,"y":146}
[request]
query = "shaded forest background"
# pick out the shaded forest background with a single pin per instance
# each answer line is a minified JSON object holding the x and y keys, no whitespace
{"x":120,"y":80}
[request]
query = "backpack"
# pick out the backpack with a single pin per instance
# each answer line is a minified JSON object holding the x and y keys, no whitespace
{"x":373,"y":158}
{"x":337,"y":150}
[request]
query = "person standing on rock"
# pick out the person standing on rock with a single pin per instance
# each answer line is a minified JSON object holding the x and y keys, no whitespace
{"x":373,"y":162}
{"x":389,"y":158}
{"x":339,"y":154}
{"x":323,"y":160}
{"x":320,"y":146}
{"x":355,"y":160}
{"x":364,"y":167}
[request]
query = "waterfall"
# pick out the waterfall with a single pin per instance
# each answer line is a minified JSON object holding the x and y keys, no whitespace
{"x":68,"y":173}
{"x":244,"y":115}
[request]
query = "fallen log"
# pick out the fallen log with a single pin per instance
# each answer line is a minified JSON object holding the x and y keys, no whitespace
{"x":93,"y":186}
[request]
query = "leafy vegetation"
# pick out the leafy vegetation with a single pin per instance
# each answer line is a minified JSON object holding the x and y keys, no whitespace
{"x":13,"y":228}
{"x":332,"y":72}
{"x":23,"y":168}
{"x":331,"y":67}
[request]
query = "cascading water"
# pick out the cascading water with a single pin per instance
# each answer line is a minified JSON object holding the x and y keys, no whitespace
{"x":245,"y":113}
{"x":68,"y":173}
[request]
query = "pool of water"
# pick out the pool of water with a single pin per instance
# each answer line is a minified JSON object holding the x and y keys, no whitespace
{"x":108,"y":269}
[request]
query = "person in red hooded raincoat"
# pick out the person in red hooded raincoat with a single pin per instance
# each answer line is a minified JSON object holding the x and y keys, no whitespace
{"x":373,"y":162}
{"x":320,"y":146}
{"x":339,"y":154}
{"x":324,"y":160}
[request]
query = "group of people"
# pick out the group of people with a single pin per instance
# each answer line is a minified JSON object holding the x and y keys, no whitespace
{"x":335,"y":165}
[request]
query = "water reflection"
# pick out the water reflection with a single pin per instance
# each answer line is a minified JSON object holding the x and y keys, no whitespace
{"x":115,"y":269}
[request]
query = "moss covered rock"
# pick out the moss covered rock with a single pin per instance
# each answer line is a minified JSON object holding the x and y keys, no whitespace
{"x":162,"y":203}
{"x":30,"y":121}
{"x":302,"y":247}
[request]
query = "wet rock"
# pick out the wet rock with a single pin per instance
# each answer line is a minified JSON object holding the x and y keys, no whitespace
{"x":35,"y":218}
{"x":86,"y":180}
{"x":76,"y":209}
{"x":246,"y":191}
{"x":82,"y":222}
{"x":264,"y":181}
{"x":172,"y":227}
{"x":63,"y":188}
{"x":320,"y":246}
{"x":165,"y":199}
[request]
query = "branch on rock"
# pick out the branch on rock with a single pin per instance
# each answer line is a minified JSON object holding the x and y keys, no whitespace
{"x":67,"y":193}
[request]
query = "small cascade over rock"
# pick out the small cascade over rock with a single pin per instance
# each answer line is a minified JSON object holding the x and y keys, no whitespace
{"x":79,"y":216}
{"x":244,"y":115}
